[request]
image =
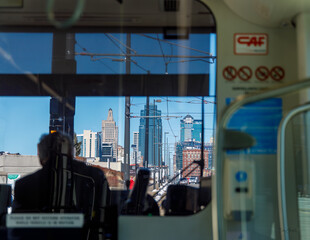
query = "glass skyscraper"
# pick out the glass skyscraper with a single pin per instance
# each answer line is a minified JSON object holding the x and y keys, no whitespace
{"x":155,"y":135}
{"x":190,"y":129}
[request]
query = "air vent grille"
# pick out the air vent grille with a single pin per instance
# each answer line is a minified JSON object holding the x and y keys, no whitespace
{"x":171,"y":5}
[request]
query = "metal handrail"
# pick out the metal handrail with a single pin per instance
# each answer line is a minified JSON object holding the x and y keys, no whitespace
{"x":281,"y":168}
{"x":217,"y":190}
{"x":69,"y":22}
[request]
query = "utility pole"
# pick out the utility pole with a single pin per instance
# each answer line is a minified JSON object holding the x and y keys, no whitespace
{"x":146,"y":150}
{"x":159,"y":157}
{"x":127,"y":116}
{"x":154,"y":161}
{"x":165,"y":150}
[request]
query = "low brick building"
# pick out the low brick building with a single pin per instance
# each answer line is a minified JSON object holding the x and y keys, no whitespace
{"x":189,"y":155}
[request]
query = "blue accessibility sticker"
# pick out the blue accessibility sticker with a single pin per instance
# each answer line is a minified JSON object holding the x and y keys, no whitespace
{"x":241,"y":176}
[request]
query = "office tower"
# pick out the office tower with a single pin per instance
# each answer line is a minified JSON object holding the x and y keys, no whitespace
{"x":209,"y":148}
{"x":135,"y":147}
{"x":136,"y":140}
{"x":107,"y":152}
{"x":179,"y":156}
{"x":190,"y":129}
{"x":110,"y":133}
{"x":155,"y":135}
{"x":91,"y":143}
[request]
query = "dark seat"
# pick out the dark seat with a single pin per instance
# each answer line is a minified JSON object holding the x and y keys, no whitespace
{"x":181,"y":200}
{"x":90,"y":195}
{"x":139,"y":202}
{"x":80,"y":188}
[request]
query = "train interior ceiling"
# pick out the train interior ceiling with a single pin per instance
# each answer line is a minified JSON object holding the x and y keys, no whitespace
{"x":189,"y":119}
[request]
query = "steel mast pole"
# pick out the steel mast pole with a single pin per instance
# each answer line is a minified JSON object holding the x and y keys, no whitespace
{"x":154,"y":155}
{"x":127,"y":116}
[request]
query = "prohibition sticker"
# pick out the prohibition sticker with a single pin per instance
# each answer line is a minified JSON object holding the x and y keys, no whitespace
{"x":230,"y":73}
{"x":262,"y":73}
{"x":277,"y":73}
{"x":245,"y":73}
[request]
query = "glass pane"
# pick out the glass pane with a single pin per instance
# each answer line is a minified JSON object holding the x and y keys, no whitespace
{"x":22,"y":122}
{"x":173,"y":144}
{"x":25,"y":52}
{"x":148,"y":54}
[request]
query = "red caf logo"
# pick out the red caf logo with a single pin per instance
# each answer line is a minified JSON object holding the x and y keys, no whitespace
{"x":254,"y":40}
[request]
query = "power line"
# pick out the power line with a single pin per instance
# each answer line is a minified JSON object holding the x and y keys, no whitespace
{"x":178,"y":45}
{"x":84,"y":49}
{"x":164,"y":58}
{"x":167,"y":116}
{"x":169,"y":121}
{"x":118,"y":46}
{"x":139,"y":55}
{"x":193,"y":113}
{"x":191,"y":101}
{"x":121,"y":43}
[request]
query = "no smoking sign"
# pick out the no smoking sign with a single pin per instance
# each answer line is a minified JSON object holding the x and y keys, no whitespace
{"x":262,"y":73}
{"x":245,"y":73}
{"x":229,"y":73}
{"x":277,"y":73}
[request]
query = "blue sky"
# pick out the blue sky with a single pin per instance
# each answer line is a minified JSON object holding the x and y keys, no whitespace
{"x":24,"y":119}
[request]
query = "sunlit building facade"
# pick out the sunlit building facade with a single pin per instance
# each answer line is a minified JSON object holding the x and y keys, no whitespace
{"x":191,"y":129}
{"x":110,"y":133}
{"x":189,"y":156}
{"x":90,"y":144}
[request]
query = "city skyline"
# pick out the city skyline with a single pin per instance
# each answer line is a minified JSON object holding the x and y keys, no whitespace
{"x":25,"y":119}
{"x":176,"y":125}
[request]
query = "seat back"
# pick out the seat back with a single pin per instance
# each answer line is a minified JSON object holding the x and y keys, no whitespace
{"x":136,"y":201}
{"x":5,"y":201}
{"x":82,"y":188}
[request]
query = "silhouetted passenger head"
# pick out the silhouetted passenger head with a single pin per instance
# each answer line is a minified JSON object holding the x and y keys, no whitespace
{"x":53,"y":144}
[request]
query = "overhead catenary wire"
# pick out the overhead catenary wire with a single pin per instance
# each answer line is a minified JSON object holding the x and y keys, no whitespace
{"x":169,"y":121}
{"x":118,"y":46}
{"x":114,"y":40}
{"x":125,"y":56}
{"x":164,"y":58}
{"x":191,"y":60}
{"x":121,"y":43}
{"x":191,"y":101}
{"x":139,"y":66}
{"x":205,"y":101}
{"x":190,"y":113}
{"x":84,"y":49}
{"x":138,"y":55}
{"x":175,"y":44}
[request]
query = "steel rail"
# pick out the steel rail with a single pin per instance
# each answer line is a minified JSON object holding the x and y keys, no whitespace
{"x":281,"y":168}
